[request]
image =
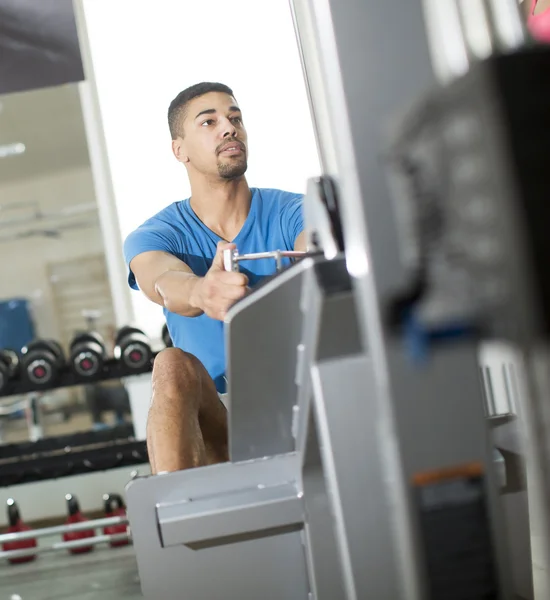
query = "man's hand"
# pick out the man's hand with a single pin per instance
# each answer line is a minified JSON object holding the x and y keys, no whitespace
{"x":219,"y":289}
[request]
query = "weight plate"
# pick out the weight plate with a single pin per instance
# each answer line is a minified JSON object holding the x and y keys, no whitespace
{"x":87,"y":337}
{"x":125,"y":331}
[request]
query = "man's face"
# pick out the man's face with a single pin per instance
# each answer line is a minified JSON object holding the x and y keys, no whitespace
{"x":214,"y":139}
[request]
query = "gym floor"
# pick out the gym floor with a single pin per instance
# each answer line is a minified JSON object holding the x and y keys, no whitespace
{"x":111,"y":573}
{"x":106,"y":573}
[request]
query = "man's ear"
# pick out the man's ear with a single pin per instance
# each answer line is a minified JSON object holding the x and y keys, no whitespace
{"x":178,"y":148}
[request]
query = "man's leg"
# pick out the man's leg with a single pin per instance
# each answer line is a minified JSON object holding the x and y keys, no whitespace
{"x":187,"y":424}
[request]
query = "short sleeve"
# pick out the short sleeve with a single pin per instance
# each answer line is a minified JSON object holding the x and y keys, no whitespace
{"x":152,"y":235}
{"x":292,"y":220}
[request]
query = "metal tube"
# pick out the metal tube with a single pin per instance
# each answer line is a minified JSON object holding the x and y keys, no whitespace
{"x":231,"y":258}
{"x":92,"y":541}
{"x":491,"y":26}
{"x":507,"y":24}
{"x":278,"y":260}
{"x":446,"y":41}
{"x":273,"y":254}
{"x":34,"y":418}
{"x":36,"y":533}
{"x":460,"y":31}
{"x":476,"y":28}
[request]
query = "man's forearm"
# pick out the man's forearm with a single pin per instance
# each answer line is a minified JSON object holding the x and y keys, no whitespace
{"x":178,"y":290}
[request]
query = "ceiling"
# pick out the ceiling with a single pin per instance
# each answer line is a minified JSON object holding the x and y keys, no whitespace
{"x":49,"y":122}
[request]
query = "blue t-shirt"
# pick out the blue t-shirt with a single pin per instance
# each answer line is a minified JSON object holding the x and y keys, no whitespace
{"x":274,"y":222}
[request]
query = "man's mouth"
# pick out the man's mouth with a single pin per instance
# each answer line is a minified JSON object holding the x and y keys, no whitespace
{"x":232,"y":148}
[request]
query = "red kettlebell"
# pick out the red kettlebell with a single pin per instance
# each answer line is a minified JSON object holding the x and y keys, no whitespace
{"x":16,"y":525}
{"x":75,"y":516}
{"x":115,"y":507}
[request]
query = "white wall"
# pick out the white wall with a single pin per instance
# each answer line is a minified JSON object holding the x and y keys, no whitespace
{"x":23,"y":269}
{"x":144,"y":53}
{"x":88,"y":488}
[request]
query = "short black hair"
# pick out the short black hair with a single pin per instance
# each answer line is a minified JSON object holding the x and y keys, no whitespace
{"x":178,"y":106}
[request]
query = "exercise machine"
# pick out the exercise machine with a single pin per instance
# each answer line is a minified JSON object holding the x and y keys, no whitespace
{"x":364,"y":460}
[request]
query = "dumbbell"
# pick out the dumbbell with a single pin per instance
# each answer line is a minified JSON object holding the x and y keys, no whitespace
{"x":87,"y":353}
{"x":9,"y":367}
{"x":132,"y":348}
{"x":166,"y":339}
{"x":232,"y":258}
{"x":41,"y":361}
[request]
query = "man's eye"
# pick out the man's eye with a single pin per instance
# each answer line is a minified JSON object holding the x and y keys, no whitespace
{"x":208,"y":122}
{"x":237,"y":120}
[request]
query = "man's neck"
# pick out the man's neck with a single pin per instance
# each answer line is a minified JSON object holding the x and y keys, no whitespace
{"x":222,"y":206}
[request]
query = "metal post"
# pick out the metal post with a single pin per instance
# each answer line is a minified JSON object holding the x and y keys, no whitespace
{"x":507,"y":23}
{"x":447,"y":44}
{"x":374,"y":60}
{"x":462,"y":31}
{"x":34,"y":418}
{"x":105,"y":194}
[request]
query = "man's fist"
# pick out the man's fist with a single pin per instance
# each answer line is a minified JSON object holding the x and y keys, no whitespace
{"x":219,"y":289}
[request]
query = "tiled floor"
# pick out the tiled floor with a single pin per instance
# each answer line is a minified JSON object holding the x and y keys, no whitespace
{"x":106,"y":574}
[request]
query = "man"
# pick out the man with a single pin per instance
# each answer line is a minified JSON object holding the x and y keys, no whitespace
{"x":176,"y":259}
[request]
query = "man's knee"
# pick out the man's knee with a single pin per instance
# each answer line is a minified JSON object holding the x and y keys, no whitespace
{"x":174,"y":359}
{"x":175,"y":372}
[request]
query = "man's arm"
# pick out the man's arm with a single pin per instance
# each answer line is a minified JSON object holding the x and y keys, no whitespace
{"x":168,"y":281}
{"x":300,"y":244}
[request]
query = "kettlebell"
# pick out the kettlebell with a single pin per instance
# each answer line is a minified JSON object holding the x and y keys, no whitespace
{"x":132,"y":348}
{"x":16,"y":525}
{"x":87,"y":353}
{"x":114,"y":507}
{"x":75,"y":516}
{"x":42,"y":361}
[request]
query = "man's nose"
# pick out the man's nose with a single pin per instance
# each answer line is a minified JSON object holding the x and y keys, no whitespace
{"x":229,"y":130}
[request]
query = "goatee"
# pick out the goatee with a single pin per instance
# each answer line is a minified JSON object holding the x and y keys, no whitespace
{"x":232,"y":170}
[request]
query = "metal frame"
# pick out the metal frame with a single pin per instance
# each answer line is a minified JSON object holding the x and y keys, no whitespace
{"x":232,"y":528}
{"x":365,"y":95}
{"x":347,"y":549}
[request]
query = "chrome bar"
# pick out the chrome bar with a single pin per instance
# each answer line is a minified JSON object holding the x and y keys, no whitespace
{"x":92,"y":541}
{"x":231,"y":258}
{"x":84,"y":525}
{"x":274,"y":254}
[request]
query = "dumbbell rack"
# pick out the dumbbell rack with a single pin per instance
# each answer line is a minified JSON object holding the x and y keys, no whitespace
{"x":74,"y":454}
{"x":111,"y":369}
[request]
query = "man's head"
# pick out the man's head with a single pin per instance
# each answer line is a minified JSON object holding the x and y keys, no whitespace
{"x":208,"y":135}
